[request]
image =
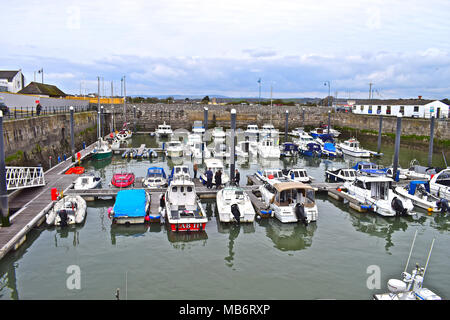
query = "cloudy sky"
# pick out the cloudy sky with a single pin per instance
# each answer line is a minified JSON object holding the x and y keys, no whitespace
{"x":222,"y":47}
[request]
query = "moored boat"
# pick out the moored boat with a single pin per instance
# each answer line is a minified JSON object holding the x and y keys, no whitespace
{"x":123,"y":180}
{"x":233,"y":204}
{"x":102,"y":150}
{"x":351,"y":147}
{"x":67,"y":211}
{"x":131,"y":207}
{"x":156,"y":178}
{"x":87,"y":181}
{"x":419,"y":193}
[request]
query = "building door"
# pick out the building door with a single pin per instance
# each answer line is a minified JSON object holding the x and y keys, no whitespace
{"x":438,"y":113}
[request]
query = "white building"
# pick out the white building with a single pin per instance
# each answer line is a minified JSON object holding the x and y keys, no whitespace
{"x":415,"y":108}
{"x":11,"y":81}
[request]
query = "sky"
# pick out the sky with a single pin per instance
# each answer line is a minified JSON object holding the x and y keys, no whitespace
{"x":222,"y":47}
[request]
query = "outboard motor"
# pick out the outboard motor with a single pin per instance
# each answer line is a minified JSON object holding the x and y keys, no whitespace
{"x":63,"y":216}
{"x":236,"y":213}
{"x":397,"y":205}
{"x":443,"y":205}
{"x":300,"y":213}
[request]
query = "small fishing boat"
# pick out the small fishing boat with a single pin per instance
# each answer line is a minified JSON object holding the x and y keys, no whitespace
{"x":288,"y":149}
{"x":123,"y":180}
{"x":319,"y":132}
{"x":303,"y":139}
{"x":102,"y":150}
{"x":233,"y":204}
{"x":218,"y":134}
{"x":411,"y":285}
{"x":352,"y":148}
{"x":124,"y":133}
{"x":311,"y":149}
{"x":268,"y":131}
{"x":375,"y":192}
{"x":68,"y":210}
{"x":155,"y":179}
{"x":419,"y":193}
{"x":164,"y":130}
{"x":341,"y":174}
{"x":418,"y":172}
{"x":369,"y":169}
{"x":131,"y":207}
{"x":299,"y":175}
{"x":268,"y":150}
{"x":174,"y":149}
{"x":271,"y":175}
{"x":215,"y":165}
{"x":87,"y":181}
{"x":197,"y":127}
{"x":297,"y":132}
{"x":252,"y":132}
{"x":182,"y":207}
{"x":290,"y":201}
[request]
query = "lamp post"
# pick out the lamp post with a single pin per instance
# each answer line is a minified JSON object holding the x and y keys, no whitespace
{"x":329,"y":91}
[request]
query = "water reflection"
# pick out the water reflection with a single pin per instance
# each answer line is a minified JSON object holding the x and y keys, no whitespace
{"x":183,"y":240}
{"x":132,"y":230}
{"x":70,"y":232}
{"x":288,"y":236}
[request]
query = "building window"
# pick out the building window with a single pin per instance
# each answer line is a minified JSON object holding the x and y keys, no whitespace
{"x":402,"y":110}
{"x":416,"y":108}
{"x":388,"y":110}
{"x":379,"y":110}
{"x":370,"y":109}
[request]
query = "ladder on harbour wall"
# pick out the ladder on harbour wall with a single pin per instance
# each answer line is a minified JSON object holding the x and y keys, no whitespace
{"x":24,"y":177}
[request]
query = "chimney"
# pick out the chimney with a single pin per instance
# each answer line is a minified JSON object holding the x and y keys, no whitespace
{"x":420,"y":97}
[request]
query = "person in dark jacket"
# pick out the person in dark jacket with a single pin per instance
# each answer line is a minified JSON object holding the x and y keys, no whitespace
{"x":195,"y":168}
{"x":209,"y":176}
{"x":218,"y":179}
{"x":38,"y":109}
{"x":237,"y":177}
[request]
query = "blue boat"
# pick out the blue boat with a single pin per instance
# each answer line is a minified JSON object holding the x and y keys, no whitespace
{"x":369,"y":168}
{"x":312,"y":149}
{"x":329,"y":150}
{"x":288,"y":149}
{"x":131,"y":207}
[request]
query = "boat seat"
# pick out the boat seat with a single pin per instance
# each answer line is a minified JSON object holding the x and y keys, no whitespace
{"x":175,"y":214}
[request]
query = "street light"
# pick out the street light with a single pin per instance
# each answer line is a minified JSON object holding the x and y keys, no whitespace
{"x":329,"y":91}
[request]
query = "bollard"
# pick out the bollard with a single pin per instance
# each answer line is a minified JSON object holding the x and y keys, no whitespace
{"x":329,"y":121}
{"x":232,"y":147}
{"x":64,"y":155}
{"x":50,"y":161}
{"x":72,"y":142}
{"x":84,"y":145}
{"x":205,"y":119}
{"x":430,"y":149}
{"x":59,"y":159}
{"x":4,"y":205}
{"x":286,"y":126}
{"x":380,"y":128}
{"x":397,"y":146}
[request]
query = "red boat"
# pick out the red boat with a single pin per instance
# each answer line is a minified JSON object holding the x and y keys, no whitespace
{"x":123,"y":180}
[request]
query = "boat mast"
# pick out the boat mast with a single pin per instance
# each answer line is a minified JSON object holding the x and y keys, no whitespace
{"x":410,"y":252}
{"x":428,"y":259}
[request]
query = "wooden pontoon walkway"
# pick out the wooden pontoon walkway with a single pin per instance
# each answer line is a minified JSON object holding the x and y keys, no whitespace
{"x":34,"y":203}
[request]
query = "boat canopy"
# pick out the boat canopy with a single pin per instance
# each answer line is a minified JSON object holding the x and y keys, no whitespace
{"x":155,"y":172}
{"x":329,"y":147}
{"x":130,"y":203}
{"x":291,"y":185}
{"x":413,"y":185}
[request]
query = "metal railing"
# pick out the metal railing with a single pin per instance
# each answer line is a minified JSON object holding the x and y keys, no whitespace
{"x":27,"y":112}
{"x":24,"y":177}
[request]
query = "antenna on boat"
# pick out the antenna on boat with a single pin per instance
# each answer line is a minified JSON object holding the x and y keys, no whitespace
{"x":428,"y":259}
{"x":412,"y":246}
{"x":445,"y":160}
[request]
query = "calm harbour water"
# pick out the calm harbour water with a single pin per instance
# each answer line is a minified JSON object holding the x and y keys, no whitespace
{"x":328,"y":259}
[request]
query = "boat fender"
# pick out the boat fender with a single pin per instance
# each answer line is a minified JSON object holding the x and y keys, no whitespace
{"x":266,"y":211}
{"x":366,"y":207}
{"x":110,"y":210}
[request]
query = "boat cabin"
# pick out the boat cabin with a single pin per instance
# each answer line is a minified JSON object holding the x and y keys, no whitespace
{"x":287,"y":193}
{"x":379,"y":186}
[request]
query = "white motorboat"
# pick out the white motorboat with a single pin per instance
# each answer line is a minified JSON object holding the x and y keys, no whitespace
{"x":440,"y":184}
{"x":233,"y":204}
{"x":115,"y":144}
{"x":179,"y":172}
{"x":290,"y":201}
{"x":352,"y":148}
{"x":376,"y":193}
{"x":87,"y":181}
{"x":125,"y":133}
{"x":411,"y":285}
{"x":69,"y":210}
{"x":418,"y":172}
{"x":341,"y":174}
{"x":419,"y":193}
{"x":220,"y":151}
{"x":196,"y":148}
{"x":303,"y":139}
{"x":299,"y":175}
{"x":252,"y":132}
{"x":215,"y":165}
{"x":174,"y":149}
{"x":297,"y":132}
{"x":218,"y":135}
{"x":268,"y":131}
{"x":268,"y":149}
{"x":401,"y":173}
{"x":198,"y":128}
{"x":155,"y":179}
{"x":271,"y":175}
{"x":182,"y":207}
{"x":164,"y":130}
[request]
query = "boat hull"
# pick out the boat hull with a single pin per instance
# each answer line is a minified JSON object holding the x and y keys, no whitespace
{"x":101,"y":155}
